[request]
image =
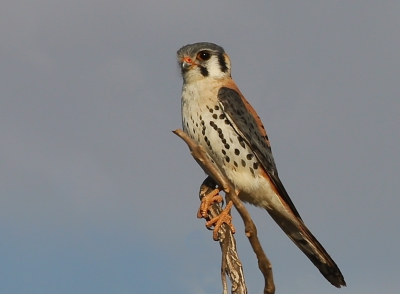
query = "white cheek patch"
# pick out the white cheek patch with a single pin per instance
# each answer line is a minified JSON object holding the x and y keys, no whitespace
{"x":214,"y":69}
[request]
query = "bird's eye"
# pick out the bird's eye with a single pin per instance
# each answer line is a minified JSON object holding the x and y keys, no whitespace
{"x":204,"y":55}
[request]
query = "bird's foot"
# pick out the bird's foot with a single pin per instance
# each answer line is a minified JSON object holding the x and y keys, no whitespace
{"x":207,"y":201}
{"x":223,"y":217}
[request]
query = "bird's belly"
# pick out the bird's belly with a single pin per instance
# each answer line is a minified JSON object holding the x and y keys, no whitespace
{"x":233,"y":157}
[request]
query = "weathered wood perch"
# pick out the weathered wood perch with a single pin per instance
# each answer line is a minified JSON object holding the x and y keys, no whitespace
{"x":217,"y":177}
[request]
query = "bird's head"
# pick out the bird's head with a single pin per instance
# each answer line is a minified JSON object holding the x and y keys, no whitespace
{"x":203,"y":60}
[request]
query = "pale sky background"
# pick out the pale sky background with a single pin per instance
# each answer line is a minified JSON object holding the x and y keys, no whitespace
{"x":98,"y":196}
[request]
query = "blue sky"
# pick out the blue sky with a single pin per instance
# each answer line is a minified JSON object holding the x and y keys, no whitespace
{"x":98,"y":196}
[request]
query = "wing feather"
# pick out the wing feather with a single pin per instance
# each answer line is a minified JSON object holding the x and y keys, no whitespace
{"x":246,"y":123}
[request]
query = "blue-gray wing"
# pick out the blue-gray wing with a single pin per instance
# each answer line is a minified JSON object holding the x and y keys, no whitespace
{"x":248,"y":126}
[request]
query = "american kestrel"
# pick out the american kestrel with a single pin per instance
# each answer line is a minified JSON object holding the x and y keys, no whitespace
{"x":216,"y":116}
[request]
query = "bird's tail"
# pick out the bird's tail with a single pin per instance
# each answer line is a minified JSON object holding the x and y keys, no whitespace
{"x":302,"y":237}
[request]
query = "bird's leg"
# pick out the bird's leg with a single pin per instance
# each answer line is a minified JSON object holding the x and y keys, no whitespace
{"x":210,"y":198}
{"x":223,"y":217}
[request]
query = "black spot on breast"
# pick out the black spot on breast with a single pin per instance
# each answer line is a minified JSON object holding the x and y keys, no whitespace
{"x":237,"y":152}
{"x":227,"y":158}
{"x":252,"y":171}
{"x":249,"y":156}
{"x":216,"y":107}
{"x":227,"y":122}
{"x":243,"y":163}
{"x":223,"y":152}
{"x":210,"y":109}
{"x":222,"y":116}
{"x":215,"y":116}
{"x":221,"y":135}
{"x":256,"y":165}
{"x":194,"y":131}
{"x":223,"y":141}
{"x":235,"y":163}
{"x":227,"y":146}
{"x":241,"y":142}
{"x":219,"y":131}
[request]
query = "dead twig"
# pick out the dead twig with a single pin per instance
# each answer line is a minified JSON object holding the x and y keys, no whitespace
{"x":205,"y":163}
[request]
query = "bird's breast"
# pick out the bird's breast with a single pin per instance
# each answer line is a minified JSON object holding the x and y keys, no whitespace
{"x":204,"y":121}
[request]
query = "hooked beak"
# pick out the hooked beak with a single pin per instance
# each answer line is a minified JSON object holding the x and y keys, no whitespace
{"x":187,"y":63}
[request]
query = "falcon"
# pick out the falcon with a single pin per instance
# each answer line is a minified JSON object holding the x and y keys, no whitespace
{"x":218,"y":117}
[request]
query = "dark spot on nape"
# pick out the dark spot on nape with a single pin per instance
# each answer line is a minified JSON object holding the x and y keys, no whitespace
{"x":235,"y":164}
{"x":222,"y":62}
{"x":216,"y":107}
{"x":256,"y":165}
{"x":203,"y":71}
{"x":237,"y":152}
{"x":249,"y":156}
{"x":221,"y":116}
{"x":215,"y":116}
{"x":223,"y":152}
{"x":210,"y":109}
{"x":227,"y":122}
{"x":243,"y":163}
{"x":227,"y":158}
{"x":227,"y":146}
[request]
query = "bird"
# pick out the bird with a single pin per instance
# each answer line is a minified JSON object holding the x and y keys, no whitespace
{"x":217,"y":116}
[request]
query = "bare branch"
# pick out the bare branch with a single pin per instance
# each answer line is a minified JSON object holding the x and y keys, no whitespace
{"x":205,"y":163}
{"x":230,"y":264}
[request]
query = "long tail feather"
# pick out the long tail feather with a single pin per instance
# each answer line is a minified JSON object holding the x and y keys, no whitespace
{"x":310,"y":246}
